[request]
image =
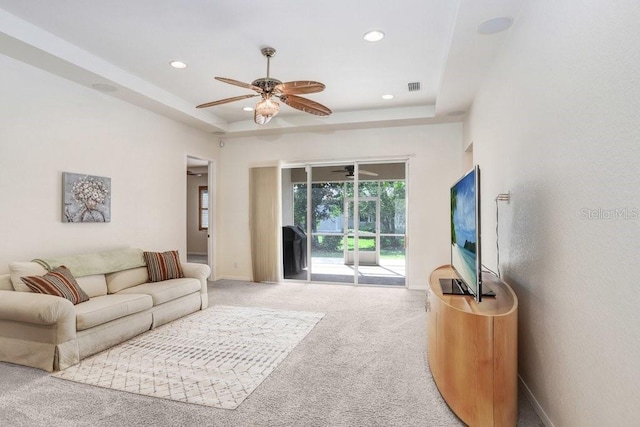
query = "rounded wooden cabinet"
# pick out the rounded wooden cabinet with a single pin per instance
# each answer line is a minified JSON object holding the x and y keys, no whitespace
{"x":472,"y":349}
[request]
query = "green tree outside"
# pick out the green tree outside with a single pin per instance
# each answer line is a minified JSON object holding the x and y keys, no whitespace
{"x":328,"y":202}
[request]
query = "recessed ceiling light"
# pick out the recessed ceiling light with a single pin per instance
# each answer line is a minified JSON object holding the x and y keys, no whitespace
{"x":388,"y":96}
{"x":178,"y":64}
{"x":103,"y":87}
{"x":495,"y":25}
{"x":247,"y":108}
{"x":373,"y":36}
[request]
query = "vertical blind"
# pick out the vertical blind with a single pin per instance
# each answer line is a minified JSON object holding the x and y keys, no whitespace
{"x":264,"y":223}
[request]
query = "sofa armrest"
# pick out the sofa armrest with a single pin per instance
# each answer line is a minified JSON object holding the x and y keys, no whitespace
{"x":37,"y":330}
{"x":197,"y":271}
{"x":39,"y":309}
{"x":200,"y":272}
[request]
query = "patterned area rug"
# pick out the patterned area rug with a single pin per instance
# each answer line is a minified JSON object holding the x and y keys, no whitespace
{"x":215,"y":357}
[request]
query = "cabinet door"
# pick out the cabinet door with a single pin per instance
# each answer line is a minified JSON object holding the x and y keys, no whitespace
{"x":465,"y":352}
{"x":431,"y":305}
{"x":506,"y":370}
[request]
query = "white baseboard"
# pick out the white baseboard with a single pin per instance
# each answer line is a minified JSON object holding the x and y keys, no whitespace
{"x":240,"y":278}
{"x":536,"y":405}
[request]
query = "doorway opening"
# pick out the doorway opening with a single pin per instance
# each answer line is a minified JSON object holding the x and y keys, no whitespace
{"x":345,"y":223}
{"x":199,"y":211}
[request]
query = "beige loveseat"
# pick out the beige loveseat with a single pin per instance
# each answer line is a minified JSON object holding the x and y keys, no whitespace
{"x":50,"y":333}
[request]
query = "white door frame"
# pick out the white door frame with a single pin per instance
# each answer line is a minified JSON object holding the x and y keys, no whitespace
{"x":211,"y":240}
{"x":211,"y":231}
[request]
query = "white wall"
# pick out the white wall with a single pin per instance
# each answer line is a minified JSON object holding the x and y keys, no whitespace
{"x":196,"y":238}
{"x":51,"y":125}
{"x":557,"y":123}
{"x":435,"y":162}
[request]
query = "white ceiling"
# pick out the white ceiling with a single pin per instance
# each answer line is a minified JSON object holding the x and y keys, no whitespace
{"x":128,"y":44}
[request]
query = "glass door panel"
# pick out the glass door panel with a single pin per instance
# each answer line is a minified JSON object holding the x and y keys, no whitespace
{"x":393,"y":225}
{"x":294,"y":220}
{"x":328,"y":225}
{"x":368,"y":239}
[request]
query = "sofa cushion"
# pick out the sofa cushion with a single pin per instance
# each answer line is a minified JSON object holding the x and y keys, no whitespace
{"x":106,"y":308}
{"x":94,"y":286}
{"x":125,"y":279}
{"x":163,"y":265}
{"x":59,"y":282}
{"x":5,"y":283}
{"x":21,"y":269}
{"x":166,"y":290}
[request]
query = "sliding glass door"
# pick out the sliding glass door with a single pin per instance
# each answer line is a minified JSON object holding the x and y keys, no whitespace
{"x":345,"y":223}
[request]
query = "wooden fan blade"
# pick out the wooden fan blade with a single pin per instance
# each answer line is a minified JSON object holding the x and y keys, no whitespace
{"x":239,"y":83}
{"x":306,"y":105}
{"x":302,"y":86}
{"x":224,"y":101}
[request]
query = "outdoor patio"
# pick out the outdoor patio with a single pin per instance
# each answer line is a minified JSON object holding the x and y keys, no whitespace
{"x":333,"y":270}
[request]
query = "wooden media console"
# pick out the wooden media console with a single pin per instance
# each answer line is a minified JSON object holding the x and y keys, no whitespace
{"x":472,"y":349}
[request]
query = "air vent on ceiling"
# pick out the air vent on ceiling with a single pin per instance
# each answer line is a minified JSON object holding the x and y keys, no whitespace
{"x":414,"y":86}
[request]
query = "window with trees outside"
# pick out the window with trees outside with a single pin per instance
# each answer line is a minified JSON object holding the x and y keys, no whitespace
{"x":203,"y":208}
{"x":328,"y":203}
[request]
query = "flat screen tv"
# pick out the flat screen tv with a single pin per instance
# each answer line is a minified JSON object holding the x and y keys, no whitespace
{"x":465,"y":237}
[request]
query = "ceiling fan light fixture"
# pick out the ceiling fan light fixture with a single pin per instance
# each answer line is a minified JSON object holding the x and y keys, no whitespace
{"x":265,"y":110}
{"x":261,"y":120}
{"x":247,"y":108}
{"x":373,"y":36}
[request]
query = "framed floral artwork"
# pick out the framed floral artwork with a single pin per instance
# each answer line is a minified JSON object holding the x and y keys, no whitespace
{"x":85,"y":198}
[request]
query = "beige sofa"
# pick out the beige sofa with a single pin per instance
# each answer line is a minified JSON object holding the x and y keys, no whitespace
{"x":50,"y":333}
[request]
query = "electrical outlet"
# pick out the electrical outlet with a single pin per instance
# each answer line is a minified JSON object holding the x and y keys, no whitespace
{"x":235,"y":264}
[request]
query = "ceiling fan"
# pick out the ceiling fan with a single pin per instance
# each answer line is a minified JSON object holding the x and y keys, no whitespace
{"x":269,"y":88}
{"x":349,"y":171}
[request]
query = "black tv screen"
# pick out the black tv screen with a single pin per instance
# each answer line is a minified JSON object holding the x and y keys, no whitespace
{"x":465,"y":232}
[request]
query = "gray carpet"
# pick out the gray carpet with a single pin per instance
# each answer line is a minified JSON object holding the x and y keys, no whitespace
{"x":363,"y":365}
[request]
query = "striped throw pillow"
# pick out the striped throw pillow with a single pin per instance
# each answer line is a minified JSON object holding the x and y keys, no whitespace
{"x":58,"y":282}
{"x":163,"y":265}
